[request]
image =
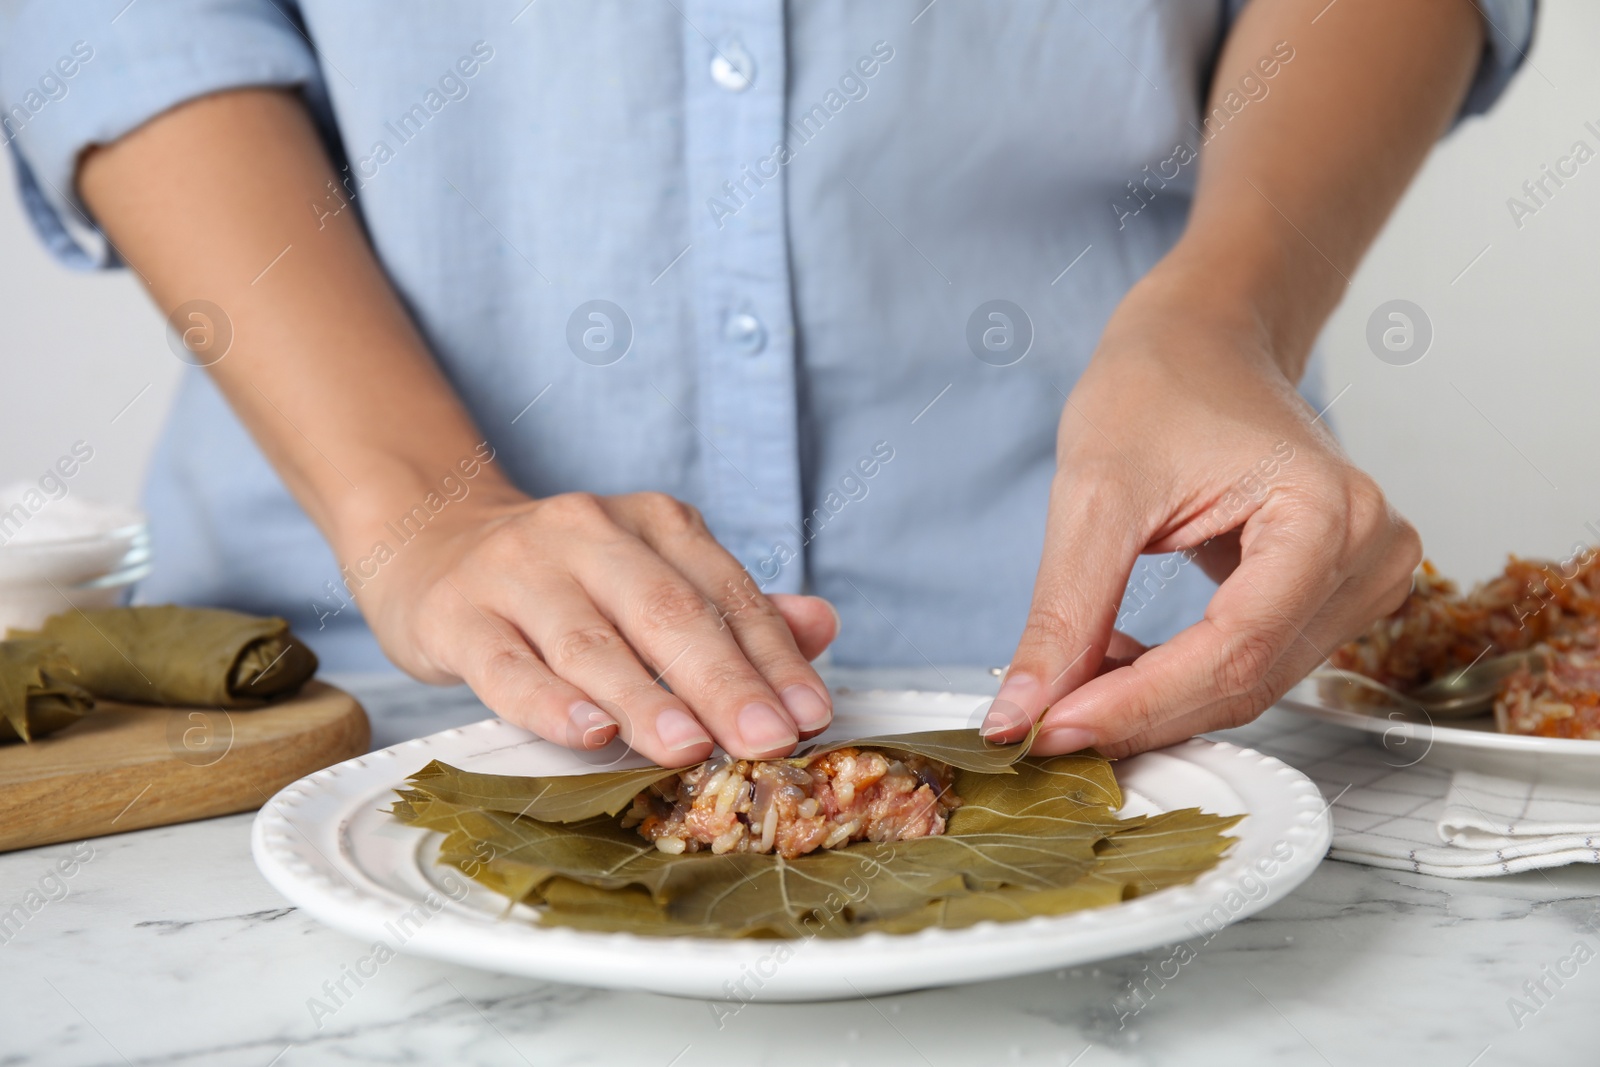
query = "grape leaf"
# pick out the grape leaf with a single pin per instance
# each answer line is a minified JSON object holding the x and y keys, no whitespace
{"x":1032,"y":837}
{"x":574,"y":797}
{"x":39,"y":693}
{"x":171,"y":655}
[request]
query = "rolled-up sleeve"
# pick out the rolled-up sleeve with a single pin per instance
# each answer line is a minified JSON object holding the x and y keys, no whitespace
{"x":87,"y":72}
{"x":1508,"y":33}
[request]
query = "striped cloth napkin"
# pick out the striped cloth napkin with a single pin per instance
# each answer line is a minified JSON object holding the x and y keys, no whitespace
{"x":1390,"y":810}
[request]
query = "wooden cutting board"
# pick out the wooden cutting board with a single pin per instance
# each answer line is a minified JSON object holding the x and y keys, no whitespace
{"x":129,"y":766}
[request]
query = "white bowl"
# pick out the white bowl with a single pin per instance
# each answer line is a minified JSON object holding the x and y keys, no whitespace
{"x":41,"y":578}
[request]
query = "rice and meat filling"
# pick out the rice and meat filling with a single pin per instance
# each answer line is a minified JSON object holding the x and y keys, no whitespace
{"x":1439,"y":630}
{"x":1564,"y":700}
{"x":1531,"y":605}
{"x":792,"y":807}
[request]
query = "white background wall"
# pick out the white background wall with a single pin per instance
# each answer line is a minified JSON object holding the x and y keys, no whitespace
{"x":1491,"y":443}
{"x":76,"y":349}
{"x":1515,"y":335}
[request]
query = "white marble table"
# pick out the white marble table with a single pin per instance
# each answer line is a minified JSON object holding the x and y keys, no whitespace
{"x":169,"y":948}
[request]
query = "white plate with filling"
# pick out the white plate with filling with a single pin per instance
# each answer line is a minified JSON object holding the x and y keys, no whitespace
{"x":328,"y":843}
{"x":1411,"y":736}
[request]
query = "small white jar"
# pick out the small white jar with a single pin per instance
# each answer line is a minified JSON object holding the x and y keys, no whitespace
{"x":65,"y":553}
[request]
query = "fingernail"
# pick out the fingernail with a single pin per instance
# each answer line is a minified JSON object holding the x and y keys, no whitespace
{"x":806,"y":706}
{"x":1066,"y":738}
{"x":1006,"y":713}
{"x":762,"y":728}
{"x":838,"y":623}
{"x":589,"y":724}
{"x":678,"y":731}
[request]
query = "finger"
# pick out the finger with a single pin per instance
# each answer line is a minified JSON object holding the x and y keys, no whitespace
{"x":763,"y":634}
{"x":759,"y":630}
{"x":1092,"y":536}
{"x":491,"y":656}
{"x":1265,"y":605}
{"x":813,"y":621}
{"x":674,"y":627}
{"x":1219,"y":557}
{"x":1224,"y":714}
{"x":584,"y":648}
{"x":1346,"y":613}
{"x":769,"y":643}
{"x":1122,"y":650}
{"x":1218,"y":716}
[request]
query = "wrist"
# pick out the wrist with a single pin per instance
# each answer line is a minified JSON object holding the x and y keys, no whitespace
{"x":1233,"y":290}
{"x":1177,"y":318}
{"x":395,"y":501}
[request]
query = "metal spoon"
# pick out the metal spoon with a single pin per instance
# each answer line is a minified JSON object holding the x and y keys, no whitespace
{"x":1471,"y":690}
{"x":1462,"y":695}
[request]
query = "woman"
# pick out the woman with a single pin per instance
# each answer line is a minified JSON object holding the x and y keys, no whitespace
{"x":590,"y":336}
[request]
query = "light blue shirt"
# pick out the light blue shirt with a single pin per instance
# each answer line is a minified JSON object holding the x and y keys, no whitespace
{"x":849,"y":258}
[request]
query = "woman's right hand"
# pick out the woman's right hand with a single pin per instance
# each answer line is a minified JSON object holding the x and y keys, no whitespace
{"x":564,"y":613}
{"x":561,"y":613}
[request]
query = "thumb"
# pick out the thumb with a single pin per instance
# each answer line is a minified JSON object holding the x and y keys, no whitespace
{"x":1121,"y":650}
{"x":1091,"y":540}
{"x":811,"y":619}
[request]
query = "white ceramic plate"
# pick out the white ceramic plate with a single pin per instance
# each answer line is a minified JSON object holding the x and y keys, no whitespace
{"x":1470,"y":744}
{"x":327,"y":843}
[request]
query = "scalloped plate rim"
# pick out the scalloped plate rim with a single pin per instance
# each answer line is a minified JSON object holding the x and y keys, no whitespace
{"x":301,"y":843}
{"x":1516,"y":748}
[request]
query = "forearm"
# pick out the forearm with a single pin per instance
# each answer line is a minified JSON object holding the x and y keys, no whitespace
{"x":214,"y":200}
{"x":1294,"y":187}
{"x":563,"y":613}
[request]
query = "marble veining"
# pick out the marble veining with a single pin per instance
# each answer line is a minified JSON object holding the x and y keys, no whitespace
{"x":165,"y":946}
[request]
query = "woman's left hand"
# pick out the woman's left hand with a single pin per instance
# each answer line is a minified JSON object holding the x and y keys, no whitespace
{"x":1185,"y":436}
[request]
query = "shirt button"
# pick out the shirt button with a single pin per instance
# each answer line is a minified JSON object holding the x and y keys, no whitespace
{"x":745,"y":332}
{"x":733,"y":67}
